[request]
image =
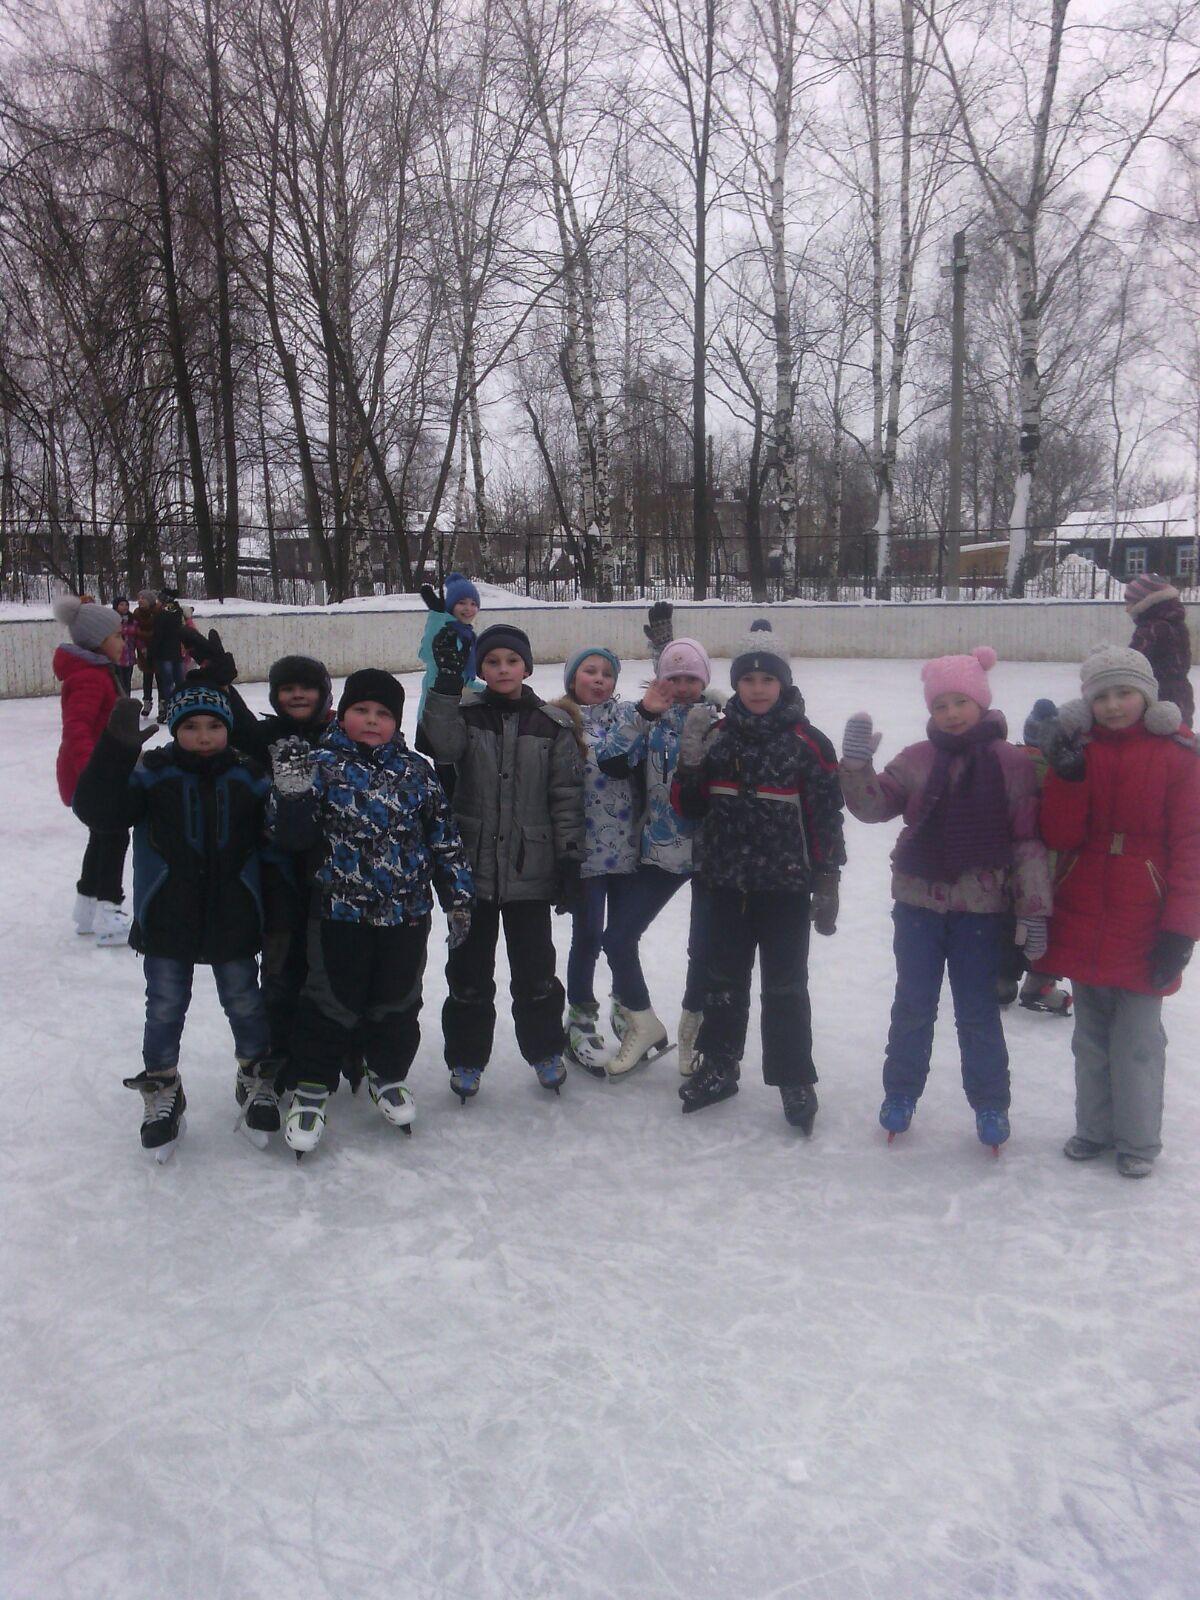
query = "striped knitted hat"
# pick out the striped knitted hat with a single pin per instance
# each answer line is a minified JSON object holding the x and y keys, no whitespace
{"x":1147,"y":590}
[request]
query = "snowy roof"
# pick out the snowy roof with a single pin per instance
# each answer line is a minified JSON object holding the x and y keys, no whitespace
{"x":1171,"y":519}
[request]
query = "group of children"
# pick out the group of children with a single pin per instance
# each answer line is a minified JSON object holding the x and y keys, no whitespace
{"x":316,"y":841}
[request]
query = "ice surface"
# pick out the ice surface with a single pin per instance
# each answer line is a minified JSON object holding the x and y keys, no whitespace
{"x":582,"y":1347}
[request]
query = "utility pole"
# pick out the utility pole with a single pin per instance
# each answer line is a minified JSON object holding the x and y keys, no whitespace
{"x":957,"y":272}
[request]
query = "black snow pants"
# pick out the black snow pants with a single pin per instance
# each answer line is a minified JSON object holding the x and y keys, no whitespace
{"x":469,"y":1015}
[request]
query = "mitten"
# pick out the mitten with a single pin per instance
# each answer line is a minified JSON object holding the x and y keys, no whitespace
{"x":570,"y":888}
{"x":125,"y":725}
{"x":220,"y":669}
{"x":449,"y":656}
{"x":292,"y":763}
{"x":1169,"y":955}
{"x":1061,"y":739}
{"x":696,"y":727}
{"x":1033,"y":937}
{"x":859,"y":742}
{"x":825,"y":903}
{"x":458,"y":926}
{"x":660,"y":630}
{"x":431,"y":597}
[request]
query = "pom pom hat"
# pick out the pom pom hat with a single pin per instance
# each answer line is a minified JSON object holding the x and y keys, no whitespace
{"x":1111,"y":666}
{"x":759,"y":653}
{"x":1147,"y":590}
{"x":685,"y":658}
{"x":960,"y":675}
{"x":88,"y":624}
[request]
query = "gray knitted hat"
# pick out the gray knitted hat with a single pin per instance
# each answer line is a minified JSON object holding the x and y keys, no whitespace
{"x":1112,"y":666}
{"x":87,"y":623}
{"x":760,"y":652}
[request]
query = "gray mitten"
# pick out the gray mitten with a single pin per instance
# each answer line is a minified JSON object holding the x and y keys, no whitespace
{"x":292,"y":762}
{"x":1061,"y":739}
{"x":125,"y":725}
{"x":458,"y":926}
{"x":1033,"y":936}
{"x":696,"y":728}
{"x":859,"y":742}
{"x":660,"y":630}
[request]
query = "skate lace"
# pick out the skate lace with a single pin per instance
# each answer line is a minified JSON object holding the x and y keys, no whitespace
{"x":160,"y":1103}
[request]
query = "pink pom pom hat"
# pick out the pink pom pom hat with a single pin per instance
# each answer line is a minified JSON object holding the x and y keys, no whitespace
{"x":960,"y":675}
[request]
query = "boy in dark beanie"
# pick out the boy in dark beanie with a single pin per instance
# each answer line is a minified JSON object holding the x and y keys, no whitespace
{"x":769,"y":854}
{"x":518,"y":800}
{"x":197,"y":810}
{"x":386,"y":840}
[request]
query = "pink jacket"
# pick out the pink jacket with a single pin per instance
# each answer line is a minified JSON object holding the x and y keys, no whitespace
{"x":1023,"y":888}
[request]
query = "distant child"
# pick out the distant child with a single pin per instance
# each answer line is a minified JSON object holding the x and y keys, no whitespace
{"x":144,"y":614}
{"x":388,"y":841}
{"x":458,"y":606}
{"x":968,"y":853}
{"x":518,"y":802}
{"x":645,"y":747}
{"x":612,"y":819}
{"x":768,"y":853}
{"x":1122,"y":807}
{"x":1161,"y":635}
{"x":87,"y":668}
{"x":197,"y":809}
{"x":129,"y":643}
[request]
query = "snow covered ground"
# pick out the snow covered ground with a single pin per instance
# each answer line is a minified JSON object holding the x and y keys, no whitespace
{"x":582,"y":1348}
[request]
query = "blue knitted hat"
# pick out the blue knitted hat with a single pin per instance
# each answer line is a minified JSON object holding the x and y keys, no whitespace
{"x":459,"y":588}
{"x":198,"y":701}
{"x":572,"y":665}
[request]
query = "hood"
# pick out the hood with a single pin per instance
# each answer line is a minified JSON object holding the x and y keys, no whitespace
{"x":72,"y":658}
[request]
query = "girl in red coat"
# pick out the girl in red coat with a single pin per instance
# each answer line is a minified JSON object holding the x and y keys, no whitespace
{"x":87,"y":669}
{"x":1122,"y":807}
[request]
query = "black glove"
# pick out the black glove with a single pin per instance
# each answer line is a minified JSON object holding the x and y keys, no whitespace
{"x":431,"y":597}
{"x":659,"y":629}
{"x":570,"y":889}
{"x":220,"y":666}
{"x":125,"y":725}
{"x":1169,"y":954}
{"x":449,"y":656}
{"x":825,"y":903}
{"x":1061,"y":739}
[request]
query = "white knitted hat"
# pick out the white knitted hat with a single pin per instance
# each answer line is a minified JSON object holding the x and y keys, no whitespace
{"x":1112,"y":666}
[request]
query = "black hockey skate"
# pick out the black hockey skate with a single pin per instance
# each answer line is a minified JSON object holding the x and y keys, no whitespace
{"x":800,"y":1106}
{"x":711,"y":1082}
{"x":164,"y":1102}
{"x":255,"y":1092}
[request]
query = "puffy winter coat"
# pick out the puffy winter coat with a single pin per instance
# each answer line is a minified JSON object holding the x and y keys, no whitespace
{"x":90,"y":689}
{"x":198,"y":828}
{"x":130,"y":635}
{"x":387,"y":834}
{"x":518,"y":795}
{"x":646,"y":749}
{"x":768,"y":792}
{"x":612,"y":806}
{"x":144,"y":617}
{"x":1023,"y":888}
{"x":1128,"y":837}
{"x":166,"y":637}
{"x":1161,"y":634}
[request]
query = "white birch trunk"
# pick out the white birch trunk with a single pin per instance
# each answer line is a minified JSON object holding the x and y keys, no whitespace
{"x":783,"y":443}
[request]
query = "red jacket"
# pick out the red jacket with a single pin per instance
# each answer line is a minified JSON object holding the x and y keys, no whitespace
{"x":89,"y":692}
{"x":1129,"y":863}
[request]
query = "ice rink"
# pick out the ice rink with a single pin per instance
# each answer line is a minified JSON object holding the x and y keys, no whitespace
{"x":583,"y":1348}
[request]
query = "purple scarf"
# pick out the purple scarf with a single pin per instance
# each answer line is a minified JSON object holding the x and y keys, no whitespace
{"x":964,"y":826}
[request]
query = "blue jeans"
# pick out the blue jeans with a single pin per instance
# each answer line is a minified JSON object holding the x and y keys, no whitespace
{"x":169,"y":992}
{"x":170,"y":676}
{"x":968,"y":944}
{"x":634,"y":900}
{"x":587,"y":935}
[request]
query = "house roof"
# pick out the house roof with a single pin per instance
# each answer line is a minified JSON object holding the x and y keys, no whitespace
{"x":1169,"y":519}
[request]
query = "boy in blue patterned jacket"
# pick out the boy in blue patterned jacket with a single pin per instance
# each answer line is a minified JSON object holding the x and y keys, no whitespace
{"x":388,"y":840}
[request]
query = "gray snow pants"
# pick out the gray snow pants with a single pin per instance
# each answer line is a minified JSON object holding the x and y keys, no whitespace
{"x":1120,"y":1058}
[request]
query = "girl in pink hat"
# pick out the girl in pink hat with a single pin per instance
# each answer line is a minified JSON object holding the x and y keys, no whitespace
{"x":968,"y":856}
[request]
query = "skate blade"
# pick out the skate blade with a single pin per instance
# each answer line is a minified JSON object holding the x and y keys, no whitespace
{"x":256,"y":1136}
{"x":162,"y":1153}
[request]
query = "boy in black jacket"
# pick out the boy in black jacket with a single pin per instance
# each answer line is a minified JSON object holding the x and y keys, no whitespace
{"x":197,"y":809}
{"x":765,"y":782}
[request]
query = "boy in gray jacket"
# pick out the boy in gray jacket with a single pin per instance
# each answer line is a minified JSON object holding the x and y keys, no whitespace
{"x":518,"y":802}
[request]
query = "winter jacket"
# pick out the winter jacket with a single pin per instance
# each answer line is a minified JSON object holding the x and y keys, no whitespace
{"x":1023,"y":888}
{"x":90,"y":689}
{"x":387,"y":833}
{"x":434,"y":624}
{"x":198,"y":827}
{"x":1161,"y":634}
{"x":255,"y":735}
{"x":646,"y":748}
{"x":768,"y":793}
{"x":166,"y":638}
{"x":612,"y":806}
{"x":144,"y":617}
{"x":129,"y":640}
{"x":518,"y":796}
{"x":1128,"y":837}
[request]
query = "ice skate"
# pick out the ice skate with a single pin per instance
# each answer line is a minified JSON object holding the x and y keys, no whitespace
{"x":394,"y":1100}
{"x":645,"y":1040}
{"x":895,"y":1114}
{"x":164,"y":1103}
{"x":306,"y":1118}
{"x":465,"y":1082}
{"x":551,"y":1073}
{"x":255,"y":1093}
{"x":800,"y":1106}
{"x":618,"y":1016}
{"x":709,"y":1083}
{"x":689,"y":1027}
{"x":84,"y":915}
{"x":1039,"y":993}
{"x":354,"y":1070}
{"x":1080,"y":1149}
{"x":992,"y":1127}
{"x":1006,"y":990}
{"x":111,"y":926}
{"x":1134,"y":1166}
{"x":586,"y":1045}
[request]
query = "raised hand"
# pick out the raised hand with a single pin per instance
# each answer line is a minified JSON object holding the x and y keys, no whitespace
{"x":292,"y":763}
{"x":660,"y":629}
{"x":449,"y":656}
{"x":431,"y":597}
{"x":125,"y":725}
{"x":859,"y":741}
{"x":659,"y":697}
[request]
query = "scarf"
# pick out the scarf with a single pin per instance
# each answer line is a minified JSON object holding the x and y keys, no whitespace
{"x":963,"y":826}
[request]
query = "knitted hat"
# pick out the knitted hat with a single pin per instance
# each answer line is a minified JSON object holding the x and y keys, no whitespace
{"x":685,"y":658}
{"x":573,"y":663}
{"x":87,"y":623}
{"x":758,"y":653}
{"x":1147,"y":590}
{"x":960,"y":675}
{"x":1111,"y":666}
{"x":197,"y":700}
{"x":304,"y":670}
{"x":503,"y":636}
{"x":372,"y":683}
{"x":1043,"y":711}
{"x":457,"y":588}
{"x":147,"y":598}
